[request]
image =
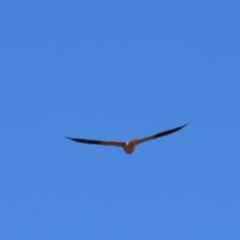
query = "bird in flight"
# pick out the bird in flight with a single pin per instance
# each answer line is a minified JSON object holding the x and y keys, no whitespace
{"x":128,"y":147}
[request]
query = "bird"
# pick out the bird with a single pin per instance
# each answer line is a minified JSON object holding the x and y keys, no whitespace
{"x":129,"y":146}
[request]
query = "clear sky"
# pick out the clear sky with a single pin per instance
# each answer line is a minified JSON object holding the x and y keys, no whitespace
{"x":117,"y":70}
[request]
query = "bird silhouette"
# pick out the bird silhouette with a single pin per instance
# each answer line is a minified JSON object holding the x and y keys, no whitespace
{"x":129,"y":146}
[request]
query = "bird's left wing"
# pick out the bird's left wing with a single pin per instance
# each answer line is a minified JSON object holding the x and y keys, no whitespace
{"x":99,"y":142}
{"x":161,"y":134}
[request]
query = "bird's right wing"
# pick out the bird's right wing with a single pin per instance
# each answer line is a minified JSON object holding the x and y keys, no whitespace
{"x":99,"y":142}
{"x":161,"y":134}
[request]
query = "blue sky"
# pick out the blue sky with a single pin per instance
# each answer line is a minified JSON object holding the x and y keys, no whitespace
{"x":116,"y":70}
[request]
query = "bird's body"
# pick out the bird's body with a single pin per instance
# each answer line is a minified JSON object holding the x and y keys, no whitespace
{"x":128,"y":147}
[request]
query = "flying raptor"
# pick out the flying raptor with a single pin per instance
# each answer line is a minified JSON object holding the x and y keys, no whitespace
{"x":128,"y":147}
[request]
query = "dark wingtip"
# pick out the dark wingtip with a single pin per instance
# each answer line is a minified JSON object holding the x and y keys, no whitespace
{"x":183,"y":126}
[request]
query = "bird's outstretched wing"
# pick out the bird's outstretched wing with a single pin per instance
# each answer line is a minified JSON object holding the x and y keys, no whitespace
{"x":105,"y":143}
{"x":161,"y":134}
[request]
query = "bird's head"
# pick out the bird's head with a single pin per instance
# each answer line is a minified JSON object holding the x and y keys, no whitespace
{"x":132,"y":143}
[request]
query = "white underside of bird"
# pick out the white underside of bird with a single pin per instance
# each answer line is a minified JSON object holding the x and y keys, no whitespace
{"x":128,"y":147}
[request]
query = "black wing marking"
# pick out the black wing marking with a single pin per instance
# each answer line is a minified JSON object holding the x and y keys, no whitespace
{"x":106,"y":143}
{"x":161,"y":134}
{"x":85,"y":140}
